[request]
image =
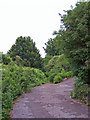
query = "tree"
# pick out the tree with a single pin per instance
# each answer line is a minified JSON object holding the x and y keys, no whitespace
{"x":6,"y":59}
{"x":26,"y":49}
{"x":57,"y":63}
{"x":76,"y":39}
{"x":54,"y":46}
{"x":19,"y":61}
{"x":45,"y":62}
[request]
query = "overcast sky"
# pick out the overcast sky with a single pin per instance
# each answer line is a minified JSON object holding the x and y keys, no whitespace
{"x":35,"y":18}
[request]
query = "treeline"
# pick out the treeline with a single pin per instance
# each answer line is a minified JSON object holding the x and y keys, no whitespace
{"x":66,"y":56}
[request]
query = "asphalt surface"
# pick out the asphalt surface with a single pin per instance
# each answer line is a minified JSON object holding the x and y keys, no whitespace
{"x":50,"y":101}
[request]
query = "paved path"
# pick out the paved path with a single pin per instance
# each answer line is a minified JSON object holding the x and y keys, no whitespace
{"x":50,"y":101}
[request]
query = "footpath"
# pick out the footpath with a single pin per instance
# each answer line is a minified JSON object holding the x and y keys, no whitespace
{"x":50,"y":101}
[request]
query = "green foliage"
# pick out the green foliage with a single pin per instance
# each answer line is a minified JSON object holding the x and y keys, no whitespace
{"x":76,"y":39}
{"x":60,"y":76}
{"x":68,"y":74}
{"x":6,"y":59}
{"x":56,"y":65}
{"x":69,"y":49}
{"x":49,"y":47}
{"x":81,"y":91}
{"x":26,"y":63}
{"x":17,"y":80}
{"x":45,"y":61}
{"x":26,"y":49}
{"x":57,"y":78}
{"x":0,"y":56}
{"x":51,"y":77}
{"x":75,"y":42}
{"x":19,"y":61}
{"x":54,"y":46}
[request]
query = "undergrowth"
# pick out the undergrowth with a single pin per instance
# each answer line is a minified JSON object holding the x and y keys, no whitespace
{"x":81,"y":91}
{"x":15,"y":81}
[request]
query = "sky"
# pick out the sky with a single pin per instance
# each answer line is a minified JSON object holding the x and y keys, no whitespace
{"x":35,"y":18}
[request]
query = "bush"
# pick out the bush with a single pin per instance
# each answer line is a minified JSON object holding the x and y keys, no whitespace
{"x":81,"y":91}
{"x":57,"y":64}
{"x":68,"y":74}
{"x":57,"y":78}
{"x":6,"y":59}
{"x":45,"y":61}
{"x":15,"y":81}
{"x":51,"y":77}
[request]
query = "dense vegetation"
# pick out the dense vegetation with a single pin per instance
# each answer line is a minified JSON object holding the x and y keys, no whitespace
{"x":26,"y":49}
{"x":76,"y":39}
{"x":72,"y":40}
{"x":54,"y":46}
{"x":17,"y":80}
{"x":76,"y":46}
{"x":57,"y":69}
{"x":66,"y":56}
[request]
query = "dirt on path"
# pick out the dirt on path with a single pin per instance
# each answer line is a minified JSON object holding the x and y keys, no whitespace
{"x":50,"y":101}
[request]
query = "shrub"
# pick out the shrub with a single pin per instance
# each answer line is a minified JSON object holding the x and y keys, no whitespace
{"x":15,"y":81}
{"x":68,"y":74}
{"x":57,"y":78}
{"x":81,"y":91}
{"x":57,"y":64}
{"x":51,"y":77}
{"x":6,"y":59}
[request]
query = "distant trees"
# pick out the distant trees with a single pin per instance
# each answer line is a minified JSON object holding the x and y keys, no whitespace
{"x":26,"y":49}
